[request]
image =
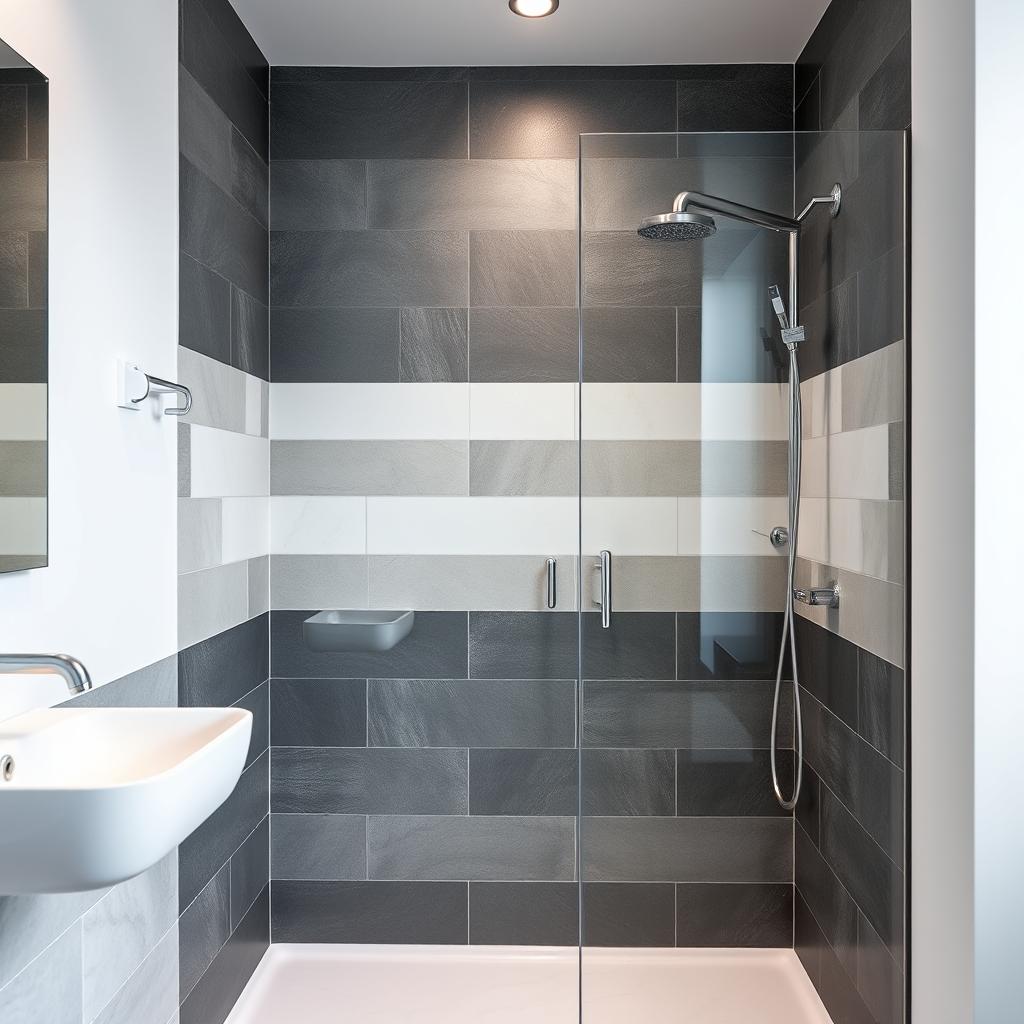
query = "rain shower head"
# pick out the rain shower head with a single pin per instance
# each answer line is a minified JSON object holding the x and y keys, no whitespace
{"x":677,"y":227}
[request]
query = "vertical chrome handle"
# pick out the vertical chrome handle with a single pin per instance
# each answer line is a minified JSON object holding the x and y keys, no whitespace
{"x":605,"y":600}
{"x":552,"y":593}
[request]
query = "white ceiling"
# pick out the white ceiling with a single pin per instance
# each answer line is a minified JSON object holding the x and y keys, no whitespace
{"x":424,"y":33}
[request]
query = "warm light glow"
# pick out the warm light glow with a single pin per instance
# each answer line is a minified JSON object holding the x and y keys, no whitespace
{"x":533,"y":8}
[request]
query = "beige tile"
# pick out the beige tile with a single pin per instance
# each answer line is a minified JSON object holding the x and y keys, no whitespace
{"x":318,"y":581}
{"x":23,"y":469}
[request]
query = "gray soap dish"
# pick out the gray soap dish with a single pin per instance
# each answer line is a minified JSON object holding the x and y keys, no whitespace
{"x":356,"y":630}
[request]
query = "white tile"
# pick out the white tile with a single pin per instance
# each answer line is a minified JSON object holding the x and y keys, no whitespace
{"x":850,"y":465}
{"x":726,"y":526}
{"x":822,"y":403}
{"x":318,"y":525}
{"x":522,"y":412}
{"x":218,"y":390}
{"x":630,"y":526}
{"x":471,"y":526}
{"x":254,"y":404}
{"x":22,"y":412}
{"x":22,"y":526}
{"x":227,"y":464}
{"x":369,"y":411}
{"x":862,"y":536}
{"x":245,"y":528}
{"x":744,"y":412}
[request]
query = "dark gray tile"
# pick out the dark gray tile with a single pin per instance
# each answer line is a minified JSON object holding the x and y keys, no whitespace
{"x":504,"y":114}
{"x":637,"y":645}
{"x":204,"y":310}
{"x":239,"y":42}
{"x":827,"y":668}
{"x":23,"y":195}
{"x":629,"y":345}
{"x":318,"y":846}
{"x":642,"y":849}
{"x":369,"y":120}
{"x":387,"y":912}
{"x":215,"y":995}
{"x":522,"y":645}
{"x":257,"y":702}
{"x":871,"y":878}
{"x":250,"y":871}
{"x":38,"y":273}
{"x":522,"y":268}
{"x":731,"y":782}
{"x":23,"y":355}
{"x":728,"y":645}
{"x":38,"y":121}
{"x":211,"y":60}
{"x":685,"y":715}
{"x":318,"y":712}
{"x":880,"y":980}
{"x":839,"y":993}
{"x":471,"y":713}
{"x":882,"y":702}
{"x":357,"y":780}
{"x":219,"y":671}
{"x":808,"y":940}
{"x":436,"y":649}
{"x":807,"y":116}
{"x":884,"y":102}
{"x":734,"y":915}
{"x":434,"y":345}
{"x":736,"y":98}
{"x":831,"y":325}
{"x":217,"y":232}
{"x":622,"y":269}
{"x":478,"y":848}
{"x":523,"y":913}
{"x":629,"y":782}
{"x":808,"y":808}
{"x":13,"y":269}
{"x":628,"y":915}
{"x":523,"y":782}
{"x":881,"y":309}
{"x":368,"y":268}
{"x":524,"y":345}
{"x":204,"y":852}
{"x":337,"y":345}
{"x":250,"y":334}
{"x":13,"y":121}
{"x":203,"y":928}
{"x":317,"y":194}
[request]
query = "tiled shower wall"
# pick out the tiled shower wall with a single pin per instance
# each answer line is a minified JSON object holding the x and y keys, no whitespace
{"x":23,"y":362}
{"x":850,"y":837}
{"x":223,"y":486}
{"x":423,"y":455}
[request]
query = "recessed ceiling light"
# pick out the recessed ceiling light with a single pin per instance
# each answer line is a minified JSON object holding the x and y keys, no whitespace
{"x":533,"y":8}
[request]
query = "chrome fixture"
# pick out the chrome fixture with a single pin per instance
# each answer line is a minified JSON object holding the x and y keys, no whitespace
{"x":778,"y":536}
{"x":552,"y":592}
{"x":691,"y":218}
{"x":819,"y":597}
{"x":134,"y":386}
{"x":533,"y":8}
{"x":605,"y":600}
{"x":71,"y":669}
{"x":6,"y":767}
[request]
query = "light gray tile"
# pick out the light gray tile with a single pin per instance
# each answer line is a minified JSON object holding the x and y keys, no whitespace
{"x":644,"y":849}
{"x":873,"y":388}
{"x":318,"y":581}
{"x":50,"y":988}
{"x":316,"y":194}
{"x":472,"y":194}
{"x":477,"y":582}
{"x":870,"y":613}
{"x":218,"y":391}
{"x":150,"y":995}
{"x":523,"y":467}
{"x":522,"y":268}
{"x":22,"y":469}
{"x":434,"y":345}
{"x":259,"y":585}
{"x":155,"y":686}
{"x":199,"y":533}
{"x":204,"y":927}
{"x":477,"y":848}
{"x":524,"y":344}
{"x":471,"y":712}
{"x":211,"y":601}
{"x":120,"y":931}
{"x":369,"y":467}
{"x":184,"y":460}
{"x":684,"y":468}
{"x":318,"y":846}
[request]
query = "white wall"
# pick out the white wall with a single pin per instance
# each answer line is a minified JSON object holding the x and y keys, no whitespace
{"x":999,"y":493}
{"x":942,"y":515}
{"x":109,"y":596}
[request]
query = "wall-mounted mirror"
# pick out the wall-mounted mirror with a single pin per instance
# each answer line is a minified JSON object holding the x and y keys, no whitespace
{"x":24,"y":139}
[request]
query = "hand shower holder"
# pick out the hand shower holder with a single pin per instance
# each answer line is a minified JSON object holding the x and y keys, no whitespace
{"x":818,"y":597}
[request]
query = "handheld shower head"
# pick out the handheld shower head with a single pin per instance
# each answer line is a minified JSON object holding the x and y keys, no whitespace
{"x":677,"y":227}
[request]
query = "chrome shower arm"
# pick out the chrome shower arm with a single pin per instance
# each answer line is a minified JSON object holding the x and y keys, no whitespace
{"x":714,"y":204}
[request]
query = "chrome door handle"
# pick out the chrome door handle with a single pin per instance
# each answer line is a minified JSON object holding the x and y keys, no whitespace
{"x":605,"y":600}
{"x":552,"y":593}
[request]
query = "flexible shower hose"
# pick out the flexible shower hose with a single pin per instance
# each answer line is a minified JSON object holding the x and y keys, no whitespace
{"x":788,"y":626}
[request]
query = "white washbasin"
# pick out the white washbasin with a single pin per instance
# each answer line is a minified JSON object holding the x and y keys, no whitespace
{"x":98,"y":795}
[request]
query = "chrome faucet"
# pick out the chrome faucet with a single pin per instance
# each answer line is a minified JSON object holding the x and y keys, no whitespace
{"x":71,"y":669}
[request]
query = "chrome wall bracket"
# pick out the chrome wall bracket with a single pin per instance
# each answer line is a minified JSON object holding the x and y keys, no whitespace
{"x":818,"y":597}
{"x":134,"y":386}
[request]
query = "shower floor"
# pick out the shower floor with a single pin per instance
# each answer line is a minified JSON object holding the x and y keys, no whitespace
{"x":336,"y":984}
